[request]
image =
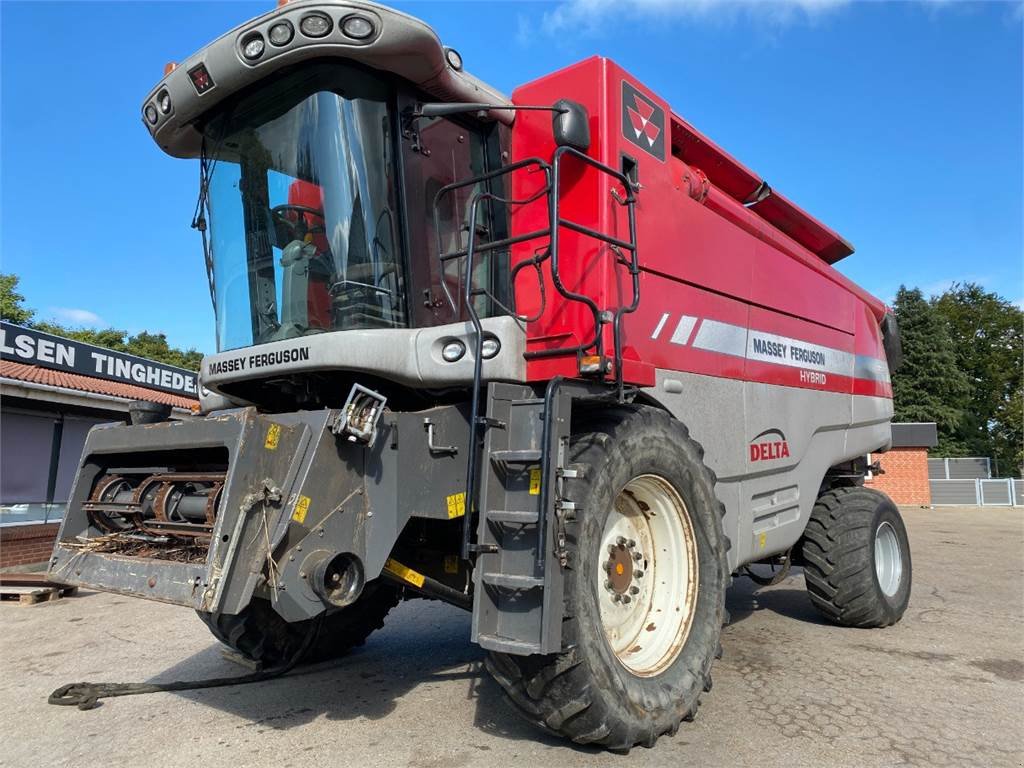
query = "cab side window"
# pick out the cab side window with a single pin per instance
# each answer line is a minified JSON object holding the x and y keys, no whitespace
{"x":448,"y":152}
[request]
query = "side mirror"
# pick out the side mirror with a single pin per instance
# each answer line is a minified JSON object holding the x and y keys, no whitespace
{"x":571,"y":125}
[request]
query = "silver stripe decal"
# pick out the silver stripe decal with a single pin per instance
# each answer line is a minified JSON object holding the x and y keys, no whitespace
{"x":661,"y":324}
{"x":795,"y":353}
{"x":735,"y":340}
{"x":726,"y":338}
{"x":865,"y":367}
{"x":681,"y":334}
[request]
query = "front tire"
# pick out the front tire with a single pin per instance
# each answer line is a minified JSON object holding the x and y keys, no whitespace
{"x":638,"y":649}
{"x":857,"y":558}
{"x":260,"y":634}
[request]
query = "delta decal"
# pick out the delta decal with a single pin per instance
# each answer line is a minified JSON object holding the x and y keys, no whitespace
{"x":770,"y":445}
{"x":643,"y":122}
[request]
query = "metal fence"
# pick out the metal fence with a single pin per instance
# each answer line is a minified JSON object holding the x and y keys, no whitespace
{"x":967,"y":468}
{"x":981,"y":492}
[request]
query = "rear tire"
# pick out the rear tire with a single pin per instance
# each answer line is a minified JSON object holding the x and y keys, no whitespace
{"x":618,"y":682}
{"x":857,"y":558}
{"x":260,"y":634}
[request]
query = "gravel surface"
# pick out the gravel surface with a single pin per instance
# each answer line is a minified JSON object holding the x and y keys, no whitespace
{"x":943,"y":687}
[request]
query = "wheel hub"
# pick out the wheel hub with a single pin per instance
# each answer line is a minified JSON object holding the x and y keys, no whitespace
{"x":648,"y":575}
{"x":620,"y":566}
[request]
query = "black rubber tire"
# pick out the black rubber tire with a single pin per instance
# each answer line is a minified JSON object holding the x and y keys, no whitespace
{"x":261,"y":635}
{"x":585,"y":693}
{"x":838,"y":552}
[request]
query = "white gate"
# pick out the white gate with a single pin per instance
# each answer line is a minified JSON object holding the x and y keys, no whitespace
{"x":998,"y":492}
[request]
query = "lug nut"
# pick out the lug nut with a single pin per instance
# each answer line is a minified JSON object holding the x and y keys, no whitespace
{"x":607,"y":565}
{"x":621,"y":541}
{"x":611,"y":549}
{"x":630,"y":543}
{"x":638,"y":556}
{"x":638,"y":574}
{"x":634,"y":590}
{"x":616,"y":597}
{"x":626,"y":598}
{"x":608,"y":585}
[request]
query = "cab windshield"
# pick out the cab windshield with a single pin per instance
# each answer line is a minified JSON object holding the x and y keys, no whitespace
{"x":302,"y":201}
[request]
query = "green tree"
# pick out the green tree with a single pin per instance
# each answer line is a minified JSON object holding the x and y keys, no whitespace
{"x":11,"y":302}
{"x":988,"y":338}
{"x":929,"y":386}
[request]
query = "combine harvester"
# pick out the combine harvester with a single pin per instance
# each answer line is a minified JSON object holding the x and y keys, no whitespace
{"x":556,"y":359}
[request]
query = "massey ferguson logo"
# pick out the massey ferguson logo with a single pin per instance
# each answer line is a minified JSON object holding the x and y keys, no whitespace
{"x":769,"y":446}
{"x":643,"y":122}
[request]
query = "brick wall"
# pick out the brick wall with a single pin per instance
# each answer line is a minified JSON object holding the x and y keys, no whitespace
{"x":26,"y":544}
{"x":906,"y":476}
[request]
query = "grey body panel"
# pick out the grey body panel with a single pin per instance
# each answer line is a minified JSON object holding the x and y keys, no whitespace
{"x":407,"y":356}
{"x":402,"y":45}
{"x":768,"y":501}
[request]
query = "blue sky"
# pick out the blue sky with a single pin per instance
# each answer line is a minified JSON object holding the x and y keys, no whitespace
{"x":898,"y":124}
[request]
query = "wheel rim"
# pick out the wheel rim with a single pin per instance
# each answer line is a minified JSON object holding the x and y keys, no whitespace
{"x":888,"y":559}
{"x":647,"y":575}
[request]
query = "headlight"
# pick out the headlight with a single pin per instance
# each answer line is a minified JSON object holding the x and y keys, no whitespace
{"x":315,"y":25}
{"x":281,"y":33}
{"x":151,"y":114}
{"x":253,"y":47}
{"x":452,"y":351}
{"x":357,"y":27}
{"x":489,"y":347}
{"x":454,"y":59}
{"x":164,"y":100}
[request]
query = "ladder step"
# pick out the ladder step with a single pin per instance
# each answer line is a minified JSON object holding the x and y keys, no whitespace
{"x":516,"y":457}
{"x":507,"y":645}
{"x":512,"y":581}
{"x":511,"y":516}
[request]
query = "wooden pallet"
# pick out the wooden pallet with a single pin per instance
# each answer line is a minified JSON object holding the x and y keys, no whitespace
{"x":33,"y":595}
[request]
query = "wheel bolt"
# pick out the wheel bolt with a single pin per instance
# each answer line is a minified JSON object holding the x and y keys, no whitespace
{"x":630,"y":543}
{"x":638,"y":574}
{"x":626,"y":598}
{"x":634,"y":590}
{"x":616,"y":597}
{"x":621,"y":541}
{"x":638,"y":556}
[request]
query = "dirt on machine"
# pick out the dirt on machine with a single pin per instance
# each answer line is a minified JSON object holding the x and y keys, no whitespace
{"x":555,"y":358}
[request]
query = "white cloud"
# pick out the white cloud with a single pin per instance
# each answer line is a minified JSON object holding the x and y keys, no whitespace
{"x":597,"y":16}
{"x":76,"y":316}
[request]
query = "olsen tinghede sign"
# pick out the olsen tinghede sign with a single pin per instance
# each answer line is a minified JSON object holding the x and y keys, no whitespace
{"x":24,"y":345}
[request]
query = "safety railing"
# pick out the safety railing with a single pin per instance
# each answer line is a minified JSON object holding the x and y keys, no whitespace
{"x":556,"y":222}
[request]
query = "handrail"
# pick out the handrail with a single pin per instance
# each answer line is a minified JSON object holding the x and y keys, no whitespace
{"x":550,"y":189}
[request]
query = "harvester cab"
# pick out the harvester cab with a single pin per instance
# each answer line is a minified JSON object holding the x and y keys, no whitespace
{"x":556,"y":359}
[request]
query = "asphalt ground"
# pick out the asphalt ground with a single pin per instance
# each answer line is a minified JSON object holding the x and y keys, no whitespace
{"x":943,"y":687}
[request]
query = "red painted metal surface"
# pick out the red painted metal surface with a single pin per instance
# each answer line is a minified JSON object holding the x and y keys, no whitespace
{"x":739,"y":272}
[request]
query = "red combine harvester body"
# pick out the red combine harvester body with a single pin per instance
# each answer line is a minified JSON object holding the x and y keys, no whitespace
{"x":558,"y":360}
{"x":707,"y":249}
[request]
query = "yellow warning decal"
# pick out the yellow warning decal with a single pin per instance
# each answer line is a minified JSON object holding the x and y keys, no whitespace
{"x":404,"y":572}
{"x":301,"y":508}
{"x":456,"y":505}
{"x":451,"y":564}
{"x":535,"y":481}
{"x":762,"y":540}
{"x":273,"y":437}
